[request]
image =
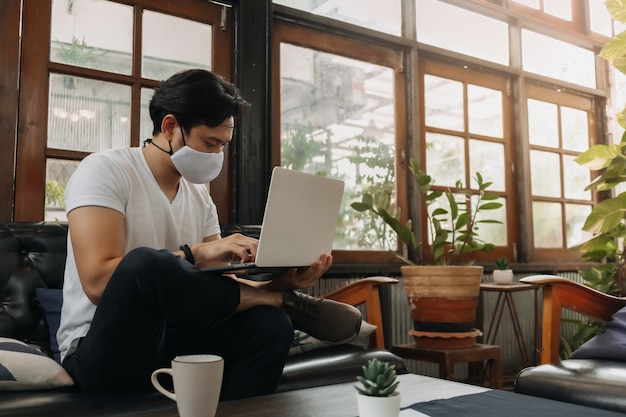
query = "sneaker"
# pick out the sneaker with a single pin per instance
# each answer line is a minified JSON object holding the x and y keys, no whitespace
{"x":326,"y":320}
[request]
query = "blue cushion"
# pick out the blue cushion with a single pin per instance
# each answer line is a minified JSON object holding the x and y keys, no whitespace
{"x":610,"y":344}
{"x":51,"y":301}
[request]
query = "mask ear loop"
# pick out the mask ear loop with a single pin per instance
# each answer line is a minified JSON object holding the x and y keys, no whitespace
{"x":149,"y":142}
{"x":183,"y":136}
{"x":171,"y":151}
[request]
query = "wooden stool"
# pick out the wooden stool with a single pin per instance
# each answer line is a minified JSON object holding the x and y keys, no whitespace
{"x":473,"y":355}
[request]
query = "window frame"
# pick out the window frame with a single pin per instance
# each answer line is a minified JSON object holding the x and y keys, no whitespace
{"x":574,"y":100}
{"x":36,"y":67}
{"x":467,"y":74}
{"x":325,"y":41}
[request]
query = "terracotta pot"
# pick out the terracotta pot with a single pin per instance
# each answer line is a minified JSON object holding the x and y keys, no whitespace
{"x":443,"y":301}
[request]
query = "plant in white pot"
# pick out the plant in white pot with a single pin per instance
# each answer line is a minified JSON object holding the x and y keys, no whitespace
{"x":443,"y":297}
{"x":377,"y":395}
{"x":502,"y":274}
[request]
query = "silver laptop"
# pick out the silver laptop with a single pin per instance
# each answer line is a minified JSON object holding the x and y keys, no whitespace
{"x":299,"y":222}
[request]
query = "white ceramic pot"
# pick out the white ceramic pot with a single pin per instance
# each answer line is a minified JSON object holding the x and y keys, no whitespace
{"x":503,"y":276}
{"x":378,"y":406}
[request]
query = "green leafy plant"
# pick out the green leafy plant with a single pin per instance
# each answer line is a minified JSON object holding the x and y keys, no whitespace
{"x":55,"y":194}
{"x":502,"y":264}
{"x":452,"y":230}
{"x":77,"y":52}
{"x":379,"y":379}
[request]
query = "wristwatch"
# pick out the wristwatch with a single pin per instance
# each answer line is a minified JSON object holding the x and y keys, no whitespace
{"x":188,"y":255}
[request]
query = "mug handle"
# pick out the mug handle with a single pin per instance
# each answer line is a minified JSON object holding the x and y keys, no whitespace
{"x":158,"y":386}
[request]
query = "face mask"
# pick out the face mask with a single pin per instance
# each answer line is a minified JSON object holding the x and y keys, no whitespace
{"x":198,"y":167}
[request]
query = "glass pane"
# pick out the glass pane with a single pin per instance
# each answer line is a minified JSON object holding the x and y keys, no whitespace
{"x":575,"y":216}
{"x":545,"y":165}
{"x":145,"y":125}
{"x":58,"y":173}
{"x":599,"y":17}
{"x":557,"y":59}
{"x":529,"y":3}
{"x":445,"y":159}
{"x":484,"y":111}
{"x":559,"y":8}
{"x":443,"y":100}
{"x":337,"y":118}
{"x":87,"y":115}
{"x":172,"y":44}
{"x":384,"y":16}
{"x":574,"y":129}
{"x":543,"y":128}
{"x":92,"y":34}
{"x":462,"y":31}
{"x":488,"y":159}
{"x":547,"y":225}
{"x":493,"y":233}
{"x":575,"y":179}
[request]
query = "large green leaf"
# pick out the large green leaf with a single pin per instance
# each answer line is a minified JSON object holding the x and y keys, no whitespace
{"x":605,"y":216}
{"x":615,"y":47}
{"x":598,"y":156}
{"x":617,"y":9}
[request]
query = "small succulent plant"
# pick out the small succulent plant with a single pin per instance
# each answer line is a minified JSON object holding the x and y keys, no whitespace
{"x":378,"y":380}
{"x":502,"y":264}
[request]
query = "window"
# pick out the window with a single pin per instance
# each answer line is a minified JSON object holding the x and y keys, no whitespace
{"x":99,"y":78}
{"x":474,"y":85}
{"x":467,"y":128}
{"x":462,"y":31}
{"x":384,"y":16}
{"x":339,"y":101}
{"x":557,"y":59}
{"x":560,"y":127}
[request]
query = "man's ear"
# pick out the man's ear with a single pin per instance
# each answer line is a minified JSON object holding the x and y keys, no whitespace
{"x":168,"y":126}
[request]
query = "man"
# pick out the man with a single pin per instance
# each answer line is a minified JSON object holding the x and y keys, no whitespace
{"x":139,"y":223}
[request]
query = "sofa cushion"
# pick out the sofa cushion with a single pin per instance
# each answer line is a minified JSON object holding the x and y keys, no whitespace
{"x":23,"y":367}
{"x":610,"y":344}
{"x":590,"y":382}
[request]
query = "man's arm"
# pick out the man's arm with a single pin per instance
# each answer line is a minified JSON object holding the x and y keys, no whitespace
{"x":99,"y":241}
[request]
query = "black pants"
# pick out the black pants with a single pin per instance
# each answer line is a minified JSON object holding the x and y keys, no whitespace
{"x":157,"y":306}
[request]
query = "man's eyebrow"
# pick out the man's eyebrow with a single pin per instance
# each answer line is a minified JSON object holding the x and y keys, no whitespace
{"x":220,"y":140}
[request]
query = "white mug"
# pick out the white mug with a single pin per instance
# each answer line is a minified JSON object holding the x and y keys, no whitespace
{"x":197,"y":384}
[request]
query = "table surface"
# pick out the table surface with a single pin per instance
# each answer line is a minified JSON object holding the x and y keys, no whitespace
{"x":340,"y":401}
{"x":334,"y":400}
{"x":516,"y":286}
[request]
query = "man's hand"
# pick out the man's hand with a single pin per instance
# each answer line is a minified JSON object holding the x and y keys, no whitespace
{"x":299,"y":278}
{"x":233,"y":248}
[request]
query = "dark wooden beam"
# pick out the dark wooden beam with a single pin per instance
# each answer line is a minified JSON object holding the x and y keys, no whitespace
{"x":252,"y":145}
{"x":9,"y":70}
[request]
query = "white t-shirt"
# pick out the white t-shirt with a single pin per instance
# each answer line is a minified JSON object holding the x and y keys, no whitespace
{"x":120,"y":179}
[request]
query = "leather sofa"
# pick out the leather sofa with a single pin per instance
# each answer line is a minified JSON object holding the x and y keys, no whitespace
{"x":32,"y":255}
{"x":593,"y":382}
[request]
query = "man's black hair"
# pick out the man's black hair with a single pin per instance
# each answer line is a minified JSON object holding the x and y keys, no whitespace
{"x":196,"y":97}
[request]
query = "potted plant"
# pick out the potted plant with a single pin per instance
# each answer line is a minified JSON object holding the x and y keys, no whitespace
{"x":377,"y":395}
{"x":443,"y":297}
{"x":502,"y":274}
